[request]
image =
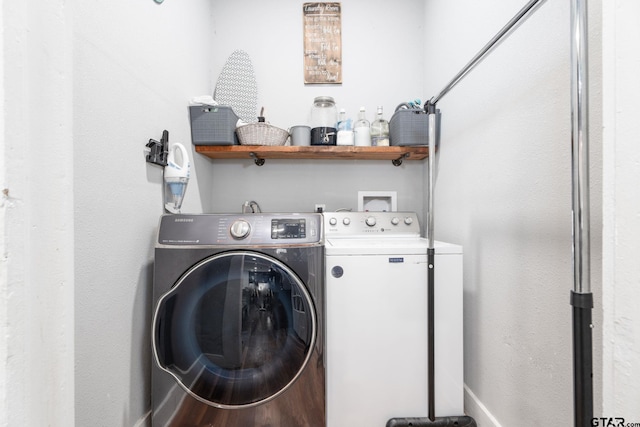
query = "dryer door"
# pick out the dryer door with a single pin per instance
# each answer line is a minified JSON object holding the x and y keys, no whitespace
{"x":236,"y":330}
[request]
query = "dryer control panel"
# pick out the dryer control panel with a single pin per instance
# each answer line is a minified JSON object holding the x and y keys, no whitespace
{"x":261,"y":229}
{"x":378,"y":224}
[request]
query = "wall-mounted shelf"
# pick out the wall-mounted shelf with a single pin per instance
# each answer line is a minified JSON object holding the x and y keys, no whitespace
{"x":261,"y":152}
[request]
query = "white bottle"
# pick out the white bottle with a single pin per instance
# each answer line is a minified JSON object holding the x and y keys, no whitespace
{"x":380,"y":130}
{"x":345,"y":133}
{"x":362,"y":130}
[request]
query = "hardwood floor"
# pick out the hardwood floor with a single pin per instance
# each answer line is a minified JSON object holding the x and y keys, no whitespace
{"x":302,"y":405}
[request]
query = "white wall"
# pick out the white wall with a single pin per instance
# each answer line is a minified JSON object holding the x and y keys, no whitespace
{"x":504,"y":193}
{"x":621,"y":271}
{"x":136,"y":64}
{"x":36,"y":286}
{"x":271,"y":33}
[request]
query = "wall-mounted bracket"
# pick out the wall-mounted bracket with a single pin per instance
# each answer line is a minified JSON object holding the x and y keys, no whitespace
{"x":398,"y":161}
{"x":157,"y":151}
{"x":258,"y":161}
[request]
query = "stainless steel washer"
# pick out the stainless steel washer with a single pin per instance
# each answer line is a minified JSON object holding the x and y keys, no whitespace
{"x":238,"y":325}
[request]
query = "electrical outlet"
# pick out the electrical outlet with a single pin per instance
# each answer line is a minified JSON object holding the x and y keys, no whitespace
{"x":320,"y":207}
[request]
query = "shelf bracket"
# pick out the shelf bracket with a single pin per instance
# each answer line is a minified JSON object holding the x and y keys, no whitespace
{"x":258,"y":161}
{"x":398,"y":161}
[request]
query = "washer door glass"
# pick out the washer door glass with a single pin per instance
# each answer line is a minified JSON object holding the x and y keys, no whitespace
{"x":237,"y":329}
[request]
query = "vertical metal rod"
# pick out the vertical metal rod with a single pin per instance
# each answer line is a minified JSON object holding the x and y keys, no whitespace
{"x":431,"y":177}
{"x":432,"y":112}
{"x":581,"y":296}
{"x":523,"y":13}
{"x":431,"y":337}
{"x":580,"y":147}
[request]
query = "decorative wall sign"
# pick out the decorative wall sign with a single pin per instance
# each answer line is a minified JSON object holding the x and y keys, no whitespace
{"x":322,"y":24}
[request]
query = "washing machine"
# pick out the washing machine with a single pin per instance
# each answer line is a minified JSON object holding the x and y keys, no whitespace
{"x":238,"y":321}
{"x":377,"y":320}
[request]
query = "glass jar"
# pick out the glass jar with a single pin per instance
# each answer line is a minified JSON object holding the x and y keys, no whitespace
{"x":323,"y":121}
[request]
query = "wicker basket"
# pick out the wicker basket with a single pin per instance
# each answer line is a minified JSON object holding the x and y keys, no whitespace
{"x":261,"y":134}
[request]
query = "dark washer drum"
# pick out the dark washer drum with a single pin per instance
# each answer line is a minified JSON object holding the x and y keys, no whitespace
{"x":236,"y":330}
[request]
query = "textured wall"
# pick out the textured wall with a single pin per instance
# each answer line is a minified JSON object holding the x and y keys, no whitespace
{"x":36,"y":284}
{"x":621,"y":288}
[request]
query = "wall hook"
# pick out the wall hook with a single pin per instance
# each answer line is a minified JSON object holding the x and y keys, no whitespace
{"x":157,"y":151}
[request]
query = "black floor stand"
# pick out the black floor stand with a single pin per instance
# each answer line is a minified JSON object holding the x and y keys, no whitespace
{"x":432,"y":421}
{"x":582,"y":358}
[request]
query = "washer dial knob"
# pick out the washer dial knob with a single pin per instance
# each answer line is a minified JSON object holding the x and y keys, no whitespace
{"x":346,"y":221}
{"x":240,"y":229}
{"x":333,"y":221}
{"x":370,"y":221}
{"x":395,"y":220}
{"x":408,"y":220}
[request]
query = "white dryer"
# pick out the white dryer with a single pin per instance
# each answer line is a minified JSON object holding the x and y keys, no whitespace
{"x":377,"y":324}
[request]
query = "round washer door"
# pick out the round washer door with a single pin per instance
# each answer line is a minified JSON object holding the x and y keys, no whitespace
{"x":236,"y":330}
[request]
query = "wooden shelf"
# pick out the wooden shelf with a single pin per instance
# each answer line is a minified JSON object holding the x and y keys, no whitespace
{"x":261,"y":152}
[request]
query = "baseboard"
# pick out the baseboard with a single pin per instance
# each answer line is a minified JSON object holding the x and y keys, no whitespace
{"x":476,"y":410}
{"x":145,"y":421}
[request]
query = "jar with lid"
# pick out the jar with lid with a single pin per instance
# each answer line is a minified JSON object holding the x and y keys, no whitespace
{"x":323,"y":121}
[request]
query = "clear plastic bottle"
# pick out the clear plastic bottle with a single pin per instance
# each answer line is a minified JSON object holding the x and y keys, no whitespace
{"x":342,"y":120}
{"x":345,"y":133}
{"x":362,"y":130}
{"x":380,"y":130}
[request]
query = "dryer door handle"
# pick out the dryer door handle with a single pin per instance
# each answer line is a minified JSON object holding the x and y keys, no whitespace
{"x":161,"y":335}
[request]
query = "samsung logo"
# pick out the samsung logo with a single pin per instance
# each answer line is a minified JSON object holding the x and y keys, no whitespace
{"x":396,"y":260}
{"x":183,"y":220}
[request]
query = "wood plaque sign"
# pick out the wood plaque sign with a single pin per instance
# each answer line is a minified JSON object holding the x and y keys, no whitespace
{"x":322,"y":24}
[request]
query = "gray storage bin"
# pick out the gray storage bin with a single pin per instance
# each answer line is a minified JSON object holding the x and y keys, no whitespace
{"x":213,"y":125}
{"x":410,"y":127}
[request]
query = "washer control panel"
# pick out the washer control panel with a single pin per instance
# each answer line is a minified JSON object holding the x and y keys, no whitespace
{"x":246,"y":229}
{"x":380,"y":224}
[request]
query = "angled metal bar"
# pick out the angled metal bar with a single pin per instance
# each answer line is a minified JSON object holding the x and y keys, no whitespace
{"x":525,"y":12}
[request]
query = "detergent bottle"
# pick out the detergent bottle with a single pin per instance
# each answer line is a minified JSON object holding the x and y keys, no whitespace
{"x":176,"y":177}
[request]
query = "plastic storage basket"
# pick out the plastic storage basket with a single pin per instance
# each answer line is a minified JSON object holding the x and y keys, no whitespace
{"x":213,"y":125}
{"x":409,"y":127}
{"x":261,"y":134}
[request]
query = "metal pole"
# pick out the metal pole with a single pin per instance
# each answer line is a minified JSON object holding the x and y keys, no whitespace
{"x":581,"y":296}
{"x":524,"y":12}
{"x":431,"y":111}
{"x":580,"y":147}
{"x":431,"y":177}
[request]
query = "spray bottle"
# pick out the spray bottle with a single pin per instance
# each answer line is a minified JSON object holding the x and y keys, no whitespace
{"x":176,"y":177}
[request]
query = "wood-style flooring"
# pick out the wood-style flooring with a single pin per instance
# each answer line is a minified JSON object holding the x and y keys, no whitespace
{"x":301,"y":405}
